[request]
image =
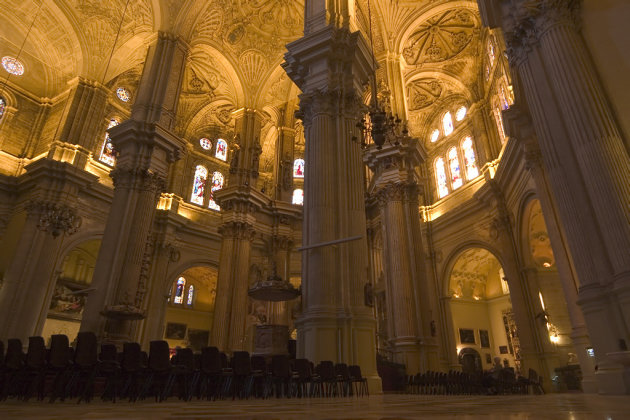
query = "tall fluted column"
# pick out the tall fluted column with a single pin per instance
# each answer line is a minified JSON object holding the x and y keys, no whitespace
{"x":519,"y":126}
{"x":330,"y":65}
{"x":409,"y":293}
{"x":146,"y":148}
{"x":586,"y":161}
{"x":228,"y":325}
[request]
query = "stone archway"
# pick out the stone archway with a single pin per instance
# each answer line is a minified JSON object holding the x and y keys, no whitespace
{"x":481,"y":309}
{"x":72,"y":285}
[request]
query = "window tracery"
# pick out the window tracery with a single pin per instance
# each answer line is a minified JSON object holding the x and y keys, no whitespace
{"x":205,"y":143}
{"x":199,"y":184}
{"x":217,"y":184}
{"x":12,"y":65}
{"x":440,"y":175}
{"x":453,"y":163}
{"x":123,"y":94}
{"x":221,"y":152}
{"x":108,"y":154}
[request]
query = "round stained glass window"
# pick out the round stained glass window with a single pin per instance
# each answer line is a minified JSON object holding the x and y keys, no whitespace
{"x":13,"y":65}
{"x":205,"y":143}
{"x":123,"y":94}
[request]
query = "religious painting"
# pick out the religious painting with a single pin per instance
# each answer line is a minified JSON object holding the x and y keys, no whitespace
{"x":503,"y":349}
{"x":198,"y":338}
{"x":298,"y":168}
{"x":175,"y":331}
{"x":466,"y":336}
{"x":484,"y":339}
{"x":67,"y":301}
{"x":221,"y":152}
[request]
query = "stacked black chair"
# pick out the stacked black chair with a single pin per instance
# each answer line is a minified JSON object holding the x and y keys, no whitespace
{"x":327,"y":378}
{"x":211,"y":373}
{"x":302,"y":377}
{"x":241,"y":374}
{"x":344,"y":383}
{"x":131,"y":371}
{"x":160,"y":375}
{"x":185,"y":374}
{"x":281,"y":375}
{"x":33,"y":376}
{"x":260,"y":378}
{"x":84,"y":368}
{"x":108,"y":368}
{"x":13,"y":365}
{"x":59,"y":357}
{"x":360,"y":383}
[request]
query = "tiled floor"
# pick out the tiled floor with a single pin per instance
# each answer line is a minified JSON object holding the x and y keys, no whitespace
{"x":390,"y":407}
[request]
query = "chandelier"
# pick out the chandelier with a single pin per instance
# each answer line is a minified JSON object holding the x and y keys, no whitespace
{"x":59,"y":219}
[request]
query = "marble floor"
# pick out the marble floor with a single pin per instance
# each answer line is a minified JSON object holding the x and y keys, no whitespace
{"x":385,"y":407}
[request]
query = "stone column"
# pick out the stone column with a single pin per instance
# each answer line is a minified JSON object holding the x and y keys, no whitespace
{"x":47,"y":213}
{"x":410,"y":295}
{"x":146,"y":148}
{"x":230,"y":310}
{"x":519,"y":126}
{"x":330,"y":65}
{"x":587,"y":164}
{"x":285,"y":155}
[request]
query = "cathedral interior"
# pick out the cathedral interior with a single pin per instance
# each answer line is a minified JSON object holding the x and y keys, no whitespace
{"x":441,"y":182}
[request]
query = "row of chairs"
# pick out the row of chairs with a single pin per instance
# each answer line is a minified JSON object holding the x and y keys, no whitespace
{"x":502,"y":382}
{"x":63,"y":372}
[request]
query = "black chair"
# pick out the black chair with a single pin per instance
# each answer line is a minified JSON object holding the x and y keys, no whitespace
{"x":281,"y":375}
{"x":34,"y":373}
{"x":241,"y":374}
{"x":108,"y":368}
{"x":211,"y":373}
{"x":344,"y":383}
{"x":159,"y":377}
{"x":185,"y":374}
{"x":535,"y":381}
{"x":131,"y":371}
{"x":84,"y":368}
{"x":260,"y":377}
{"x":327,"y":378}
{"x":13,"y":365}
{"x":302,"y":377}
{"x":59,"y":357}
{"x":360,"y":383}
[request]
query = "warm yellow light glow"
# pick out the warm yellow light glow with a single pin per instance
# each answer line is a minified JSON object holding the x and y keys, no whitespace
{"x":554,"y":338}
{"x":542,"y":302}
{"x":546,"y":265}
{"x":165,"y":202}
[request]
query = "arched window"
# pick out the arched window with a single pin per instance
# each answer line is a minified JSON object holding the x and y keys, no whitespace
{"x":3,"y":105}
{"x":205,"y":143}
{"x":178,"y":294}
{"x":469,"y":158}
{"x":491,"y":52}
{"x":199,"y":185}
{"x":504,"y":98}
{"x":217,"y":184}
{"x":440,"y":176}
{"x":461,"y":113}
{"x":498,"y":116}
{"x":447,"y":123}
{"x":453,"y":163}
{"x":435,"y":135}
{"x":191,"y":294}
{"x":298,"y":168}
{"x":298,"y":197}
{"x":221,"y":152}
{"x":108,"y":154}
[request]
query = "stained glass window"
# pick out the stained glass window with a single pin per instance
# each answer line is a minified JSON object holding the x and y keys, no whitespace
{"x":205,"y":143}
{"x":453,"y":163}
{"x":191,"y":293}
{"x":447,"y":123}
{"x":461,"y":113}
{"x":435,"y":135}
{"x":217,"y":184}
{"x":491,"y":52}
{"x":499,"y":117}
{"x":503,"y":97}
{"x":13,"y":65}
{"x":298,"y":197}
{"x":123,"y":94}
{"x":469,"y":158}
{"x":3,"y":104}
{"x":108,"y":154}
{"x":221,"y":152}
{"x":298,"y":168}
{"x":199,"y":185}
{"x":440,"y":176}
{"x":178,"y":296}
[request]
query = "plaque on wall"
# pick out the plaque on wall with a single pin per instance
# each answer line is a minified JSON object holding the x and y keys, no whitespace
{"x":484,"y":339}
{"x":503,"y":349}
{"x":198,"y":338}
{"x":175,"y":331}
{"x":466,"y":336}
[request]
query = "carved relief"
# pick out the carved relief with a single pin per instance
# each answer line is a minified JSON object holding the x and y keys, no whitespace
{"x":440,"y":37}
{"x":423,"y":93}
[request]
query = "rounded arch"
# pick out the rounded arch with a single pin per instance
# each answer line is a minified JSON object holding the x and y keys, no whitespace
{"x":533,"y":234}
{"x":174,"y":272}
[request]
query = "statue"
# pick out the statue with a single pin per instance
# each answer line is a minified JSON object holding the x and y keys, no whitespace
{"x":287,"y":178}
{"x":368,"y":295}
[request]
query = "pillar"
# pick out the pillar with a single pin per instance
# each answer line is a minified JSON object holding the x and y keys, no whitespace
{"x":146,"y":147}
{"x":330,"y":65}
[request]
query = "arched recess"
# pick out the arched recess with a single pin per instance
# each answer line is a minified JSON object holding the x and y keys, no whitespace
{"x":480,"y":312}
{"x":187,"y":323}
{"x":72,"y":287}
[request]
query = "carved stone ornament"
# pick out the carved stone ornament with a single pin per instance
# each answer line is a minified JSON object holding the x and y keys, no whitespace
{"x":140,"y":179}
{"x":55,"y":219}
{"x":407,"y":192}
{"x":423,"y":93}
{"x":238,"y":230}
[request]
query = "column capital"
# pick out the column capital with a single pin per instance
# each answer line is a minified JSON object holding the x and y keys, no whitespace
{"x":138,"y":179}
{"x":406,"y":192}
{"x":237,"y":230}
